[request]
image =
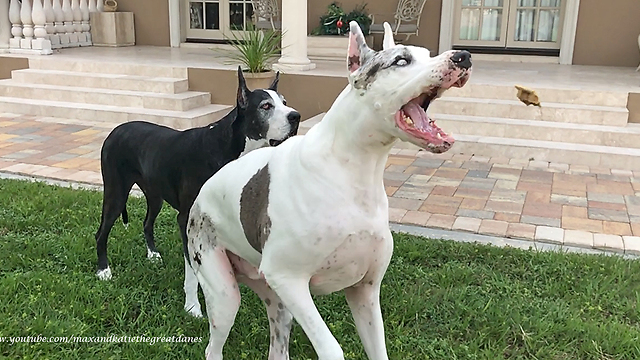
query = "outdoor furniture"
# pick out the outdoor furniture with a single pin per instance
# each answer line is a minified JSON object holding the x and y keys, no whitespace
{"x":406,"y":19}
{"x":267,"y":15}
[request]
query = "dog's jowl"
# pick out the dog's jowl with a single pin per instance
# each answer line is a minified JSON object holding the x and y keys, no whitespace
{"x":170,"y":165}
{"x":311,"y":216}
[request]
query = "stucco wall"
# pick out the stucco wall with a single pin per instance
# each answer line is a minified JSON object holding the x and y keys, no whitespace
{"x":383,"y":10}
{"x":299,"y":90}
{"x":607,"y":33}
{"x":10,"y":63}
{"x":151,"y":19}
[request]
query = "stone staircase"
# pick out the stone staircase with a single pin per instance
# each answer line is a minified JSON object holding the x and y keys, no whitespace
{"x":574,"y":127}
{"x":108,"y":92}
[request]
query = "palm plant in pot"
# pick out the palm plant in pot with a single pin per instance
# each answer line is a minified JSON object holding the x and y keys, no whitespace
{"x":256,"y":51}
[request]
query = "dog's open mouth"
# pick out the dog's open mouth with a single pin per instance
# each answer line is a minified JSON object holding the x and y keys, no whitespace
{"x":412,"y":118}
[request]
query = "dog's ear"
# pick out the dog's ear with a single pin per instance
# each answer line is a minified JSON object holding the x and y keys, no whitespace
{"x":274,"y":84}
{"x":243,"y":92}
{"x":388,"y":41}
{"x":358,"y":49}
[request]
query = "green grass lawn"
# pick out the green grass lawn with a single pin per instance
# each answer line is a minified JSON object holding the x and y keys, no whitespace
{"x":441,"y":300}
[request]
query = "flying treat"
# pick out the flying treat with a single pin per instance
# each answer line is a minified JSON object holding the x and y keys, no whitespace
{"x":528,"y":96}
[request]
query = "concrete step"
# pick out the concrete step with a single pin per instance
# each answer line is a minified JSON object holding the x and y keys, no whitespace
{"x":99,"y":80}
{"x":611,"y":157}
{"x":618,"y":136}
{"x":102,"y":67}
{"x":552,"y":151}
{"x":514,"y":109}
{"x":114,"y":114}
{"x":564,"y":96}
{"x":183,"y":101}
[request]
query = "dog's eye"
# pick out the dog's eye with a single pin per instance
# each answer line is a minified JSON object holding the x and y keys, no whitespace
{"x":401,"y":62}
{"x":266,"y":106}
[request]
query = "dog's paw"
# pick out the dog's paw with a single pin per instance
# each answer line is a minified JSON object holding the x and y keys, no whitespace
{"x":154,"y":256}
{"x":104,"y":274}
{"x":193,"y":310}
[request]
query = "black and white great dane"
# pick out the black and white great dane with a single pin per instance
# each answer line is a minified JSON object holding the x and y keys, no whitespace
{"x":311,"y":215}
{"x":173,"y":165}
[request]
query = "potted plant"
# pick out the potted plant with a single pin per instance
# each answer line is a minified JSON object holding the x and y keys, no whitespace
{"x":328,"y":41}
{"x":256,"y":51}
{"x":336,"y":20}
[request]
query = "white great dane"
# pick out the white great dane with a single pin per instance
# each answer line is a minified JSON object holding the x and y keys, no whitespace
{"x":311,"y":215}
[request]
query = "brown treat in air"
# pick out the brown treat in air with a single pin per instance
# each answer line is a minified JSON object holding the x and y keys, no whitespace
{"x":528,"y":96}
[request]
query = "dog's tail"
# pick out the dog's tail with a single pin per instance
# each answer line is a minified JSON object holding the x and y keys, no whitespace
{"x":125,"y":216}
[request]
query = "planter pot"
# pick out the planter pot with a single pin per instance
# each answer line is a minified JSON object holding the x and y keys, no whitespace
{"x":330,"y":47}
{"x":259,"y":80}
{"x":110,"y":5}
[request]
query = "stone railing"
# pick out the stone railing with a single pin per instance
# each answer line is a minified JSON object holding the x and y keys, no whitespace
{"x":38,"y":26}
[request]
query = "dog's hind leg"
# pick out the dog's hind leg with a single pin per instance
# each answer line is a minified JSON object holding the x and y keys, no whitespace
{"x":116,"y":192}
{"x":154,"y":205}
{"x":219,"y":285}
{"x":280,"y":319}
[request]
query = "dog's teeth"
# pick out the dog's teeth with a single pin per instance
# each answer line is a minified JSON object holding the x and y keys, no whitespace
{"x":408,"y":120}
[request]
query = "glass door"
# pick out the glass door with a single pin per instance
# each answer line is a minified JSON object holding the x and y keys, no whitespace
{"x":216,"y":19}
{"x":509,"y":23}
{"x":535,"y":24}
{"x":481,"y":22}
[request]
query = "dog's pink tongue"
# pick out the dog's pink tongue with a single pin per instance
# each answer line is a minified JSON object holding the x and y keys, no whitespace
{"x":417,"y":114}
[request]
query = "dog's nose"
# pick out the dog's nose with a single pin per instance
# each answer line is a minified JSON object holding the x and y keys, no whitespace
{"x":462,"y":59}
{"x":293,"y":117}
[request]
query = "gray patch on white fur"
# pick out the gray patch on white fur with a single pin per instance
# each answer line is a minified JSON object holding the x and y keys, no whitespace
{"x":377,"y":61}
{"x":253,"y":209}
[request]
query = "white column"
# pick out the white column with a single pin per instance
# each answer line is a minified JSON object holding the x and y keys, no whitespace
{"x":84,"y":9}
{"x":100,"y":5}
{"x":77,"y":22}
{"x":92,"y":6}
{"x":16,"y":24}
{"x":5,"y":24}
{"x":41,"y":43}
{"x":446,"y":26}
{"x":568,"y":41}
{"x":68,"y":24}
{"x":294,"y":37}
{"x":27,"y":24}
{"x":174,"y":23}
{"x":61,"y":31}
{"x":49,"y":26}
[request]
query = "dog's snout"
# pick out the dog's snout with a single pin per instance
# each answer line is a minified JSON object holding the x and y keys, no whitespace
{"x":462,"y":59}
{"x":293,"y":117}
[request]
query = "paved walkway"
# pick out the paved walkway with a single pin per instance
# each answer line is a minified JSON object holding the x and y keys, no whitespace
{"x":547,"y":202}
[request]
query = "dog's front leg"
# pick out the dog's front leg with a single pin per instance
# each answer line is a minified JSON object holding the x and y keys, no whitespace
{"x":364,"y":301}
{"x":294,"y":293}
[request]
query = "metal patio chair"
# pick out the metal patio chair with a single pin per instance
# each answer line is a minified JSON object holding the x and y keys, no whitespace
{"x":267,"y":14}
{"x":406,"y":19}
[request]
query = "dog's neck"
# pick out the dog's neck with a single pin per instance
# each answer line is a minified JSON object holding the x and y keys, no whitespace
{"x":351,"y":133}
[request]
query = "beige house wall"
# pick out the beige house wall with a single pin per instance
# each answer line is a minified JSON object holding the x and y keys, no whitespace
{"x":10,"y":63}
{"x":151,"y":18}
{"x":607,"y":33}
